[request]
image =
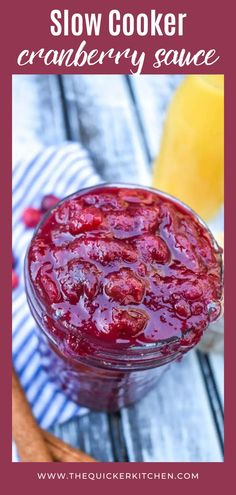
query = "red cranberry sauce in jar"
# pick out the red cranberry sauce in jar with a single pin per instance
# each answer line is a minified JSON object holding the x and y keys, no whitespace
{"x":117,"y":267}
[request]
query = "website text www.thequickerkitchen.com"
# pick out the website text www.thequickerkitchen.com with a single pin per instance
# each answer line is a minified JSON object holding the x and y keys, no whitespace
{"x":117,"y":476}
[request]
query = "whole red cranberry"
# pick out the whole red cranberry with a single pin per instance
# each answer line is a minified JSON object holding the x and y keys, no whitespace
{"x":48,"y":201}
{"x":31,"y":217}
{"x":15,"y":280}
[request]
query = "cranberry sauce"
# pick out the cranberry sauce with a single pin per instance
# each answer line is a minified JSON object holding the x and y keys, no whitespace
{"x":123,"y":267}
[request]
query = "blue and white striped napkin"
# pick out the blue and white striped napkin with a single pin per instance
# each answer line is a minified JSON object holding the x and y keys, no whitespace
{"x":59,"y":170}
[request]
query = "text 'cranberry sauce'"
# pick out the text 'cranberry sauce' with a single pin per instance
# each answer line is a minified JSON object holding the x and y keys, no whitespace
{"x":118,"y":268}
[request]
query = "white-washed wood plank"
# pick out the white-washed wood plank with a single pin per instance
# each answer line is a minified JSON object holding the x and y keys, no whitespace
{"x":108,"y":126}
{"x":37,"y":117}
{"x":89,"y":433}
{"x":153,"y":94}
{"x":174,"y":422}
{"x":71,"y":107}
{"x":217,"y":364}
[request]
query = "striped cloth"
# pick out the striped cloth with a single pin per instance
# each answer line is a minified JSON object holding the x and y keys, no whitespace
{"x":60,"y":170}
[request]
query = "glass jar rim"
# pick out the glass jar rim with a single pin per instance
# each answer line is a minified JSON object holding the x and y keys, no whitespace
{"x":130,"y":186}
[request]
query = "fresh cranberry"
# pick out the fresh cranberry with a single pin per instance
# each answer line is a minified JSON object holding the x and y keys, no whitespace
{"x":15,"y":280}
{"x":48,"y":201}
{"x":31,"y":217}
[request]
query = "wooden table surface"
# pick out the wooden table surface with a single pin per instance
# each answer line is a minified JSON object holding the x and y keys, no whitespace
{"x":119,"y":120}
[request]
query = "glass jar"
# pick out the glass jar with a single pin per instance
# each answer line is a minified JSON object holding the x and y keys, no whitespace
{"x":103,"y":377}
{"x":190,"y":164}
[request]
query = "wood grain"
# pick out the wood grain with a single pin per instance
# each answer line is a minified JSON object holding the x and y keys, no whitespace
{"x":174,"y":422}
{"x":107,"y":126}
{"x":90,"y":433}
